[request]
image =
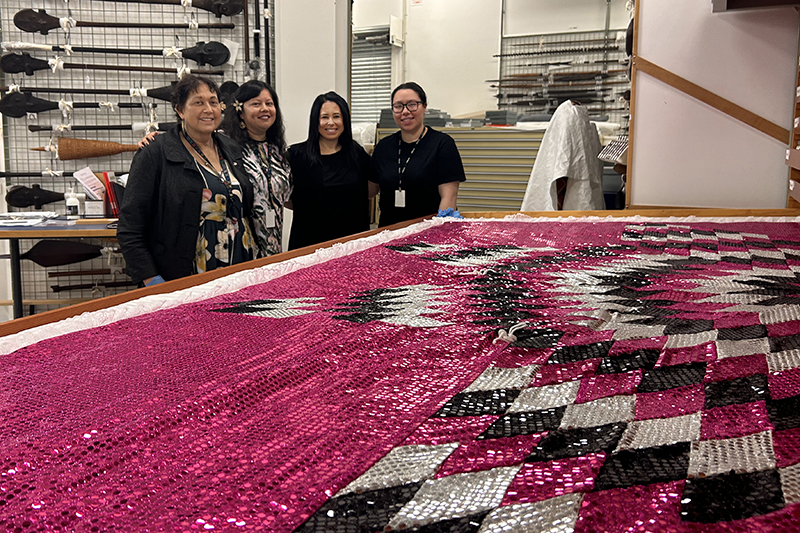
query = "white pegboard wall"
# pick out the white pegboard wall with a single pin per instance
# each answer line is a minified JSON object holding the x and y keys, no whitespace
{"x":19,"y":140}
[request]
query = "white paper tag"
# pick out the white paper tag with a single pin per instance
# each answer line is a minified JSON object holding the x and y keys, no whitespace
{"x":269,"y":219}
{"x":400,"y":198}
{"x":94,"y":187}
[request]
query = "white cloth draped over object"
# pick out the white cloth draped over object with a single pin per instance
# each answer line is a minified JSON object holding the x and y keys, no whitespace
{"x":569,"y":149}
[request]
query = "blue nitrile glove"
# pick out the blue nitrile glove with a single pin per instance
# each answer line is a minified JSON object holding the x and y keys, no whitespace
{"x":449,"y":212}
{"x":155,"y":281}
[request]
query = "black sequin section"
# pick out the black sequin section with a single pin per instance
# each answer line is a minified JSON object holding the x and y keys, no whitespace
{"x":617,"y":364}
{"x":572,"y":354}
{"x":492,"y":402}
{"x":757,"y":331}
{"x":645,"y":466}
{"x":729,"y":497}
{"x":672,"y":377}
{"x":780,"y":344}
{"x":514,"y":424}
{"x":360,"y":513}
{"x":784,"y":413}
{"x":741,"y":390}
{"x":576,"y":442}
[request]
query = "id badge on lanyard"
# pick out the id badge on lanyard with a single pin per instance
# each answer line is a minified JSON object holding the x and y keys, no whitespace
{"x":400,"y":198}
{"x":270,"y":220}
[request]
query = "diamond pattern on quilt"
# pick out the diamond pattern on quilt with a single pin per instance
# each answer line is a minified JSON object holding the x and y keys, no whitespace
{"x":672,"y":377}
{"x":790,"y":483}
{"x":402,"y":306}
{"x":368,"y":511}
{"x":488,"y":453}
{"x":737,"y":348}
{"x":546,"y":397}
{"x":556,"y":515}
{"x":455,"y":496}
{"x":644,"y":466}
{"x":661,"y":431}
{"x":728,"y":497}
{"x":530,"y":423}
{"x":671,"y":402}
{"x":575,"y":442}
{"x":274,"y":308}
{"x":503,"y":378}
{"x":494,"y":402}
{"x":402,"y":465}
{"x":599,"y":412}
{"x":742,"y":454}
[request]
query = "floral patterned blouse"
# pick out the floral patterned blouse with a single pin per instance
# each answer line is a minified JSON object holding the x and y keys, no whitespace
{"x":225,"y":237}
{"x":272,"y":187}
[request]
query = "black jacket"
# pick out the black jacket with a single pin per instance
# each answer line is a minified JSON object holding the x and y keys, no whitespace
{"x":159,"y":217}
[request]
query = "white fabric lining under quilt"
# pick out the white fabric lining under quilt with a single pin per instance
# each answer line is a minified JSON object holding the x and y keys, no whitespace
{"x":240,"y":280}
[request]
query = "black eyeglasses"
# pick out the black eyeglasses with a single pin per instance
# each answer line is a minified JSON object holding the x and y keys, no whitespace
{"x":412,"y":106}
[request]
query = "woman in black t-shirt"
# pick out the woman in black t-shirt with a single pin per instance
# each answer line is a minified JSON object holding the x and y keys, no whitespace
{"x":418,"y":168}
{"x":332,"y":176}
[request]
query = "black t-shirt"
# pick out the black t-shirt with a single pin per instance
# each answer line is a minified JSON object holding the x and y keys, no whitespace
{"x":435,"y":161}
{"x":330,"y":200}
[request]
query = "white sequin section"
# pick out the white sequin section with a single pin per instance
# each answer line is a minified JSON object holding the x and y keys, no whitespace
{"x":638,"y":332}
{"x":661,"y":432}
{"x":557,"y":515}
{"x":693,"y":339}
{"x":504,"y":378}
{"x":752,"y":453}
{"x":790,"y":481}
{"x":780,"y":361}
{"x":740,"y":348}
{"x":283,"y":308}
{"x":455,"y":496}
{"x":406,"y":464}
{"x":546,"y":397}
{"x":599,"y":412}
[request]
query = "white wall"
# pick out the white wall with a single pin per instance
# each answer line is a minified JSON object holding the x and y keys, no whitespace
{"x":525,"y":17}
{"x":686,"y":153}
{"x":311,"y":57}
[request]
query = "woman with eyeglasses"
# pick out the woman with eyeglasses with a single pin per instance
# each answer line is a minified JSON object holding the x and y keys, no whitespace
{"x":332,"y":176}
{"x":187,"y":204}
{"x":419,"y":169}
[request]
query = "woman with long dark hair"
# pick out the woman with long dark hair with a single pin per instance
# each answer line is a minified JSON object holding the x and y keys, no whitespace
{"x":332,"y":176}
{"x":254,"y":120}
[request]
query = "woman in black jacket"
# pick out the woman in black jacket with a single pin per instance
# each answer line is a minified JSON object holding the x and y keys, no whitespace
{"x":187,"y":203}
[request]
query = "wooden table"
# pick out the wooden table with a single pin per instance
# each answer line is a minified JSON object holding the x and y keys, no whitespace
{"x":51,"y":231}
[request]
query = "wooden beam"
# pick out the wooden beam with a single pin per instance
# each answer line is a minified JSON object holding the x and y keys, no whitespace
{"x":717,"y":102}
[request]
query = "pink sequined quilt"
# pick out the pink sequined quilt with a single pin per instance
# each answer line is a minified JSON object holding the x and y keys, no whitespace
{"x":646,"y":378}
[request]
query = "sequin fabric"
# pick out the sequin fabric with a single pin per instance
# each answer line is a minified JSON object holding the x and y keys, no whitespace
{"x":652,"y":384}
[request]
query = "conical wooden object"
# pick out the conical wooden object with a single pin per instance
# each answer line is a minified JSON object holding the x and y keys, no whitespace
{"x":69,"y":148}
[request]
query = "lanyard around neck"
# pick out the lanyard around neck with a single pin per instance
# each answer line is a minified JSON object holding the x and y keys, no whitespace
{"x":401,"y":168}
{"x":224,"y":176}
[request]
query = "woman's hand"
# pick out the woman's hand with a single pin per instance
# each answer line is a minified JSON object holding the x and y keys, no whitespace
{"x":147,"y":139}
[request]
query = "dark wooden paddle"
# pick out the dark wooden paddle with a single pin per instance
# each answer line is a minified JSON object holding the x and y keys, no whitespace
{"x":33,"y":21}
{"x":228,"y":8}
{"x":212,"y":53}
{"x":160,"y":93}
{"x":162,"y":126}
{"x":19,"y":63}
{"x":20,"y":104}
{"x":49,"y":253}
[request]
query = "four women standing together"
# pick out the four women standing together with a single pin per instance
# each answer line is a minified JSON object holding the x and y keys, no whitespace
{"x":198,"y":200}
